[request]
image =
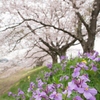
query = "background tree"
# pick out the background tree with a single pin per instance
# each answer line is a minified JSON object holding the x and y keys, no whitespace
{"x":91,"y":27}
{"x":58,"y":42}
{"x":88,"y":19}
{"x":64,"y":18}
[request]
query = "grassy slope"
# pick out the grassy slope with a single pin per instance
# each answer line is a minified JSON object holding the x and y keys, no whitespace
{"x":24,"y":82}
{"x":20,"y":81}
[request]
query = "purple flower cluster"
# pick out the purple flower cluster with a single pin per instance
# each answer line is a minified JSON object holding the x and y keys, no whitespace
{"x":47,"y":93}
{"x":80,"y":86}
{"x":60,"y":85}
{"x":78,"y":69}
{"x":19,"y":95}
{"x":79,"y":83}
{"x":93,"y":56}
{"x":49,"y":65}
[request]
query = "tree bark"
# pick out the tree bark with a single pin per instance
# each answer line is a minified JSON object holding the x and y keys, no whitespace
{"x":88,"y":46}
{"x":62,"y":53}
{"x":54,"y":58}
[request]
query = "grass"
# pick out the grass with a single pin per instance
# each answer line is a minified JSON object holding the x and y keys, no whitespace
{"x":32,"y":75}
{"x":22,"y":81}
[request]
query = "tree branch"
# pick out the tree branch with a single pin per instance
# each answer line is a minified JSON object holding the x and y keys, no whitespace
{"x":47,"y":44}
{"x":66,"y":46}
{"x":48,"y":25}
{"x":94,"y":15}
{"x":83,"y":21}
{"x":12,"y":26}
{"x":80,"y":16}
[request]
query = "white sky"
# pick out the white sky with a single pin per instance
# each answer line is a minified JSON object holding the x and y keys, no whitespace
{"x":74,"y":49}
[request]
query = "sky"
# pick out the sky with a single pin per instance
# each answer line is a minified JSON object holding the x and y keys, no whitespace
{"x":75,"y":49}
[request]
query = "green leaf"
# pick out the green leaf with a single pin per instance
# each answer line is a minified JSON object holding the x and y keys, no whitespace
{"x":55,"y":79}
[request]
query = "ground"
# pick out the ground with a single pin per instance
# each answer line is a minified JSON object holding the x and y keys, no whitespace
{"x":10,"y":76}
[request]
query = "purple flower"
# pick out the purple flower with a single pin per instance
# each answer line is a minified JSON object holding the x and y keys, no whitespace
{"x":76,"y":72}
{"x":93,"y":56}
{"x":61,"y":78}
{"x":89,"y":93}
{"x":97,"y":59}
{"x":77,"y":85}
{"x":56,"y":86}
{"x":60,"y":85}
{"x":77,"y":98}
{"x":79,"y":54}
{"x":44,"y":95}
{"x":47,"y":75}
{"x":82,"y":65}
{"x":63,"y":58}
{"x":92,"y":98}
{"x":94,"y":68}
{"x":31,"y":87}
{"x":64,"y":77}
{"x":77,"y":69}
{"x":72,"y":67}
{"x":40,"y":83}
{"x":81,"y":87}
{"x":39,"y":95}
{"x":49,"y":65}
{"x":84,"y":78}
{"x":68,"y":92}
{"x":55,"y":96}
{"x":50,"y":88}
{"x":71,"y":86}
{"x":10,"y":93}
{"x":20,"y":92}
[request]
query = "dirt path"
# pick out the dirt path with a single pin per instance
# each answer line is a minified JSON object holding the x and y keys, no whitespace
{"x":10,"y":76}
{"x":13,"y":75}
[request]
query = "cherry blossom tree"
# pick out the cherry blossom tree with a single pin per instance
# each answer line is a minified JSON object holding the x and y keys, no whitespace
{"x":88,"y":16}
{"x":58,"y":26}
{"x":91,"y":26}
{"x":55,"y":42}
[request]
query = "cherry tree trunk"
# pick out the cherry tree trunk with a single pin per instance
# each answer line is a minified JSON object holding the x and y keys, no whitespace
{"x":54,"y":59}
{"x":88,"y":46}
{"x":62,"y":53}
